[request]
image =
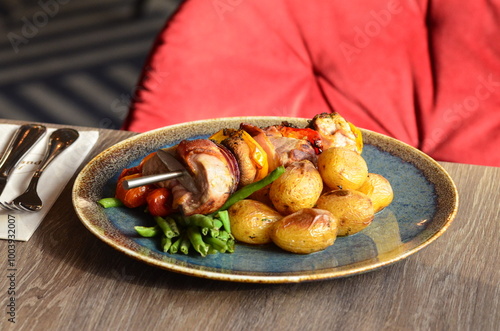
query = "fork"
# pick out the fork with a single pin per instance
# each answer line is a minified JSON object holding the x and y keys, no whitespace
{"x":30,"y":201}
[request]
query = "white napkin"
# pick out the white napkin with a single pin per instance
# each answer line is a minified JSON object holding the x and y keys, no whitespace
{"x":21,"y":225}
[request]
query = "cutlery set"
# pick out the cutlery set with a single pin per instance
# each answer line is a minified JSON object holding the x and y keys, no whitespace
{"x":20,"y":144}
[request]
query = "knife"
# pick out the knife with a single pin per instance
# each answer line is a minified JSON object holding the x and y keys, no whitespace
{"x":21,"y":143}
{"x":176,"y":170}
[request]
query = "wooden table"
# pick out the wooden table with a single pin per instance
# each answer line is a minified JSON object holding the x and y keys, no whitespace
{"x":67,"y":279}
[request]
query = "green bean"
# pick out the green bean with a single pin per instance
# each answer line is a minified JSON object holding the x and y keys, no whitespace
{"x":218,"y":244}
{"x":207,"y":234}
{"x":165,"y":243}
{"x":200,"y":220}
{"x":224,"y":218}
{"x":196,"y":240}
{"x":162,"y":223}
{"x":247,"y":190}
{"x":224,"y":235}
{"x":148,"y":231}
{"x":217,"y":224}
{"x":214,"y":233}
{"x":173,"y":225}
{"x":212,"y":250}
{"x":185,"y":244}
{"x":230,"y":245}
{"x":174,"y":248}
{"x":110,"y":202}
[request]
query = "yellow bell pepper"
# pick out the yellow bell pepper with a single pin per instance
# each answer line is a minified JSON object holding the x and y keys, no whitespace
{"x":220,"y":135}
{"x":258,"y":156}
{"x":358,"y":135}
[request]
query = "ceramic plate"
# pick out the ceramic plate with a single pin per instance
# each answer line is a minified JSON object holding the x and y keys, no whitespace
{"x":425,"y":203}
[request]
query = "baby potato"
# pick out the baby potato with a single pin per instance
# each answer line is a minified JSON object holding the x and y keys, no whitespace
{"x":306,"y":231}
{"x":353,"y":209}
{"x":342,"y":168}
{"x":251,"y":221}
{"x":262,"y":195}
{"x":299,"y":187}
{"x":379,"y":190}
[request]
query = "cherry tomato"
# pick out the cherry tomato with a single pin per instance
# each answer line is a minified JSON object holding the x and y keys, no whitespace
{"x":133,"y":197}
{"x":129,"y":171}
{"x":137,"y":169}
{"x":145,"y":159}
{"x":160,"y":202}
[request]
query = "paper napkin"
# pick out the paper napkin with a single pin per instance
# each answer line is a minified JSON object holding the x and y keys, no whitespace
{"x":22,"y":225}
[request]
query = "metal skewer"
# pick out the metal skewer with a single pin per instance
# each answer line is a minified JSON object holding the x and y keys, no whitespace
{"x":145,"y":180}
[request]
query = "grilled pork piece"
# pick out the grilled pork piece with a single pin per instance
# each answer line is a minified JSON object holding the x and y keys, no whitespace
{"x":335,"y":131}
{"x":214,"y":171}
{"x":291,"y":150}
{"x":281,"y":150}
{"x":288,"y":150}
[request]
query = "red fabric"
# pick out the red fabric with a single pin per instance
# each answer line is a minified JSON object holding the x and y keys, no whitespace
{"x":424,"y":72}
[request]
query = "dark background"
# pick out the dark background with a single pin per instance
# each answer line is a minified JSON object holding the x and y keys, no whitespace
{"x":75,"y":62}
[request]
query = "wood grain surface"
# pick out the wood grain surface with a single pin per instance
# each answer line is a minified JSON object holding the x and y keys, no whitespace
{"x":67,"y":279}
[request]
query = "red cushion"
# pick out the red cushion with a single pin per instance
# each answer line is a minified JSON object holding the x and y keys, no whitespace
{"x":427,"y":74}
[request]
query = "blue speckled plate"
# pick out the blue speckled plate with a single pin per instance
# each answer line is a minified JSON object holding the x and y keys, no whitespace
{"x":425,"y":203}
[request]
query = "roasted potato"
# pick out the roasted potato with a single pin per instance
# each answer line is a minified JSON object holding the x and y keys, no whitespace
{"x":299,"y":187}
{"x":342,"y":168}
{"x":353,"y":209}
{"x":262,"y":195}
{"x":379,"y":190}
{"x":307,"y":231}
{"x":251,"y":221}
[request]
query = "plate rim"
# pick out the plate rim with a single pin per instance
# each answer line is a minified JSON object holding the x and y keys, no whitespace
{"x":261,"y":277}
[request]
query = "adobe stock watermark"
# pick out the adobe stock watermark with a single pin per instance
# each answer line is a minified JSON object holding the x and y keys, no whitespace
{"x":222,"y":7}
{"x":32,"y":25}
{"x":122,"y":275}
{"x":371,"y":29}
{"x":461,"y":111}
{"x":121,"y":105}
{"x":280,"y":110}
{"x":11,"y":307}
